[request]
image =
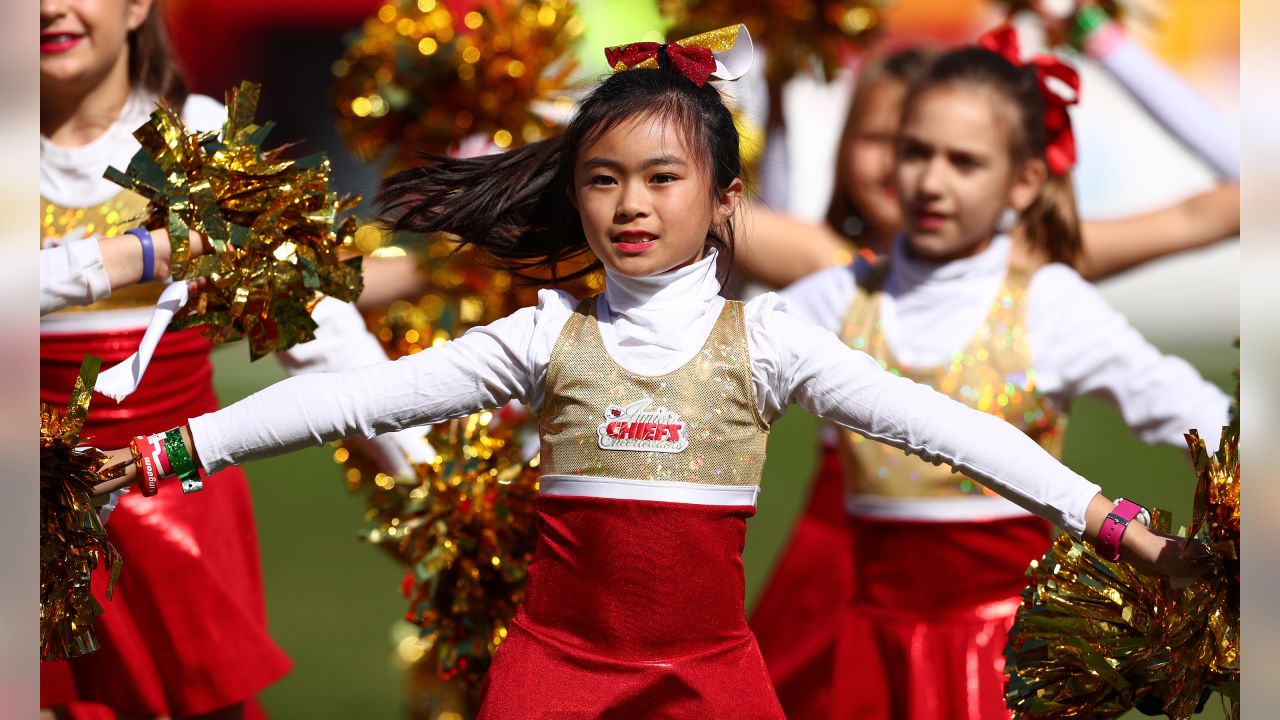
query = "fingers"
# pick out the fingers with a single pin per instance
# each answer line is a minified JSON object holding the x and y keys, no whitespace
{"x":109,"y":486}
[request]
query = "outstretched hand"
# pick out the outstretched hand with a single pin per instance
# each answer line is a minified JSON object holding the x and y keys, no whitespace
{"x":1158,"y":553}
{"x":128,"y":477}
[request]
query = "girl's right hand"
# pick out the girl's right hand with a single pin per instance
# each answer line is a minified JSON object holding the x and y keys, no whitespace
{"x":129,"y":476}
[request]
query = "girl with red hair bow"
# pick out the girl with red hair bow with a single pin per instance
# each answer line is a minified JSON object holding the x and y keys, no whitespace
{"x":984,"y":148}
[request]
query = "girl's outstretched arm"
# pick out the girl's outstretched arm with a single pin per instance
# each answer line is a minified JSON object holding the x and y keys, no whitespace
{"x":1177,"y":106}
{"x":484,"y":368}
{"x":1114,"y":246}
{"x":813,"y":369}
{"x":83,"y":270}
{"x":777,"y":249}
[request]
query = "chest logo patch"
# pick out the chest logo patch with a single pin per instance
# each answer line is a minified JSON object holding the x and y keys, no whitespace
{"x":642,"y":427}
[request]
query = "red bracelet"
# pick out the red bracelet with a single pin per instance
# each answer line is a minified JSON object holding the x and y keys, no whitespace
{"x":1113,"y":527}
{"x":146,"y":465}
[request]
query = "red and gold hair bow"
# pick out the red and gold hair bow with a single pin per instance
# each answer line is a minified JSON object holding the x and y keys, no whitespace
{"x":724,"y":54}
{"x":1060,"y":148}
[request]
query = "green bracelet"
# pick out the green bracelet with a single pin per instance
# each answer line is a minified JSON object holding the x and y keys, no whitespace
{"x":181,"y":463}
{"x":1087,"y":21}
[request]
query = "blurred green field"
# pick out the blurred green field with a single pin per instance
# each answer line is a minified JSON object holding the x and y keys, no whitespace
{"x":332,"y":600}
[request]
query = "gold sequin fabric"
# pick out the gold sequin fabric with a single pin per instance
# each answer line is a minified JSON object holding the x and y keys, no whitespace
{"x":992,"y":374}
{"x":708,"y":404}
{"x":120,"y":212}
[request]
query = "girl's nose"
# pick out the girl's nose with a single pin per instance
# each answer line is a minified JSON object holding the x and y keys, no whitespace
{"x":633,"y":201}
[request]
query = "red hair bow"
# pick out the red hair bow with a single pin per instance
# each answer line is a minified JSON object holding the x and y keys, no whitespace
{"x":1060,"y":150}
{"x":695,"y":63}
{"x":724,"y":54}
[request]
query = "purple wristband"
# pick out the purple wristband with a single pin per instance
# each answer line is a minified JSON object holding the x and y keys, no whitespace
{"x":148,"y":252}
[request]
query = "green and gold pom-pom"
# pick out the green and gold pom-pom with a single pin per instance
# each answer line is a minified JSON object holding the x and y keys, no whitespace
{"x":274,"y":225}
{"x":72,"y":539}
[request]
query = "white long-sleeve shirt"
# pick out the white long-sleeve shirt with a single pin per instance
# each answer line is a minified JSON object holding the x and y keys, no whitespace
{"x":1079,"y":344}
{"x":1177,"y":106}
{"x":649,"y":326}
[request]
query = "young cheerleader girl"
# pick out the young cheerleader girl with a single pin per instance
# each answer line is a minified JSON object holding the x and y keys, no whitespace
{"x":185,"y":631}
{"x":793,"y":617}
{"x":938,"y":561}
{"x":654,"y":402}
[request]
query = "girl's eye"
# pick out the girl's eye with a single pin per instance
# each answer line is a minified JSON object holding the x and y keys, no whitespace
{"x":663,"y":178}
{"x":914,"y":151}
{"x":965,"y":162}
{"x":602,"y":180}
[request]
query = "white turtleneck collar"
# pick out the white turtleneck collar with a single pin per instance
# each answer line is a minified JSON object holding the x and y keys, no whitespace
{"x":931,"y":310}
{"x":914,"y":274}
{"x":661,"y":319}
{"x":695,"y":282}
{"x":72,"y":176}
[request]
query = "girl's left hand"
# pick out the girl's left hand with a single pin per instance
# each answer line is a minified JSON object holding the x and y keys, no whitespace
{"x":1157,"y":553}
{"x":129,"y":476}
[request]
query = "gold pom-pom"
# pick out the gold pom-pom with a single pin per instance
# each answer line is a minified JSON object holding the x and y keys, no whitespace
{"x":273,"y":225}
{"x":72,"y":539}
{"x":794,"y":33}
{"x":1094,"y":639}
{"x":422,"y":75}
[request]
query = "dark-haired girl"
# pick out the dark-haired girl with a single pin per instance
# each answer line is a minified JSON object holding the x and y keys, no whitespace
{"x":654,"y":400}
{"x":185,"y":632}
{"x":939,"y":557}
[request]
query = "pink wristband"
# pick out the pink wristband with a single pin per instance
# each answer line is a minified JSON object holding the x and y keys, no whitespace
{"x":1102,"y":41}
{"x":1113,"y":527}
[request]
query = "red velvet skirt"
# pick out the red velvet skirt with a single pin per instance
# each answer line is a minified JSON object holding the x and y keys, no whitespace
{"x":933,"y":602}
{"x":797,"y":618}
{"x":185,"y":631}
{"x":633,"y":609}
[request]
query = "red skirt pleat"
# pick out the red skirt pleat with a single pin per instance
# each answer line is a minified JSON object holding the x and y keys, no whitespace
{"x":925,"y":634}
{"x":632,"y":610}
{"x":185,"y":631}
{"x":797,"y":618}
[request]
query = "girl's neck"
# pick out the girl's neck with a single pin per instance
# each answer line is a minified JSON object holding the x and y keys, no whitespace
{"x":965,"y":252}
{"x":77,"y":115}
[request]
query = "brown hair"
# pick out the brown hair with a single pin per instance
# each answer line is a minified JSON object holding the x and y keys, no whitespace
{"x":905,"y":66}
{"x":152,"y":65}
{"x":515,"y":205}
{"x":1051,"y":222}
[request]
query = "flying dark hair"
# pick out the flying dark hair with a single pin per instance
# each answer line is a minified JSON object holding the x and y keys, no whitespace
{"x":1051,"y":222}
{"x":515,"y":205}
{"x":152,"y":64}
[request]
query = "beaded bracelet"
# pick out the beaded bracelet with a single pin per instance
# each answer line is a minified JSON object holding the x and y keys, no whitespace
{"x":180,"y":460}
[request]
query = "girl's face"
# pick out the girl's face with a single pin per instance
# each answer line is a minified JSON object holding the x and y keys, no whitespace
{"x":82,"y":40}
{"x":869,"y":151}
{"x":644,"y":200}
{"x":955,"y":174}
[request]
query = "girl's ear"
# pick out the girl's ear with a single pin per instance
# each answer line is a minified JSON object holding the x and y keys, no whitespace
{"x":1027,"y":184}
{"x":728,"y":199}
{"x":136,"y":12}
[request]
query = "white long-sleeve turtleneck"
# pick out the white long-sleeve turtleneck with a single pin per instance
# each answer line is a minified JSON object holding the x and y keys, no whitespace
{"x":649,"y":326}
{"x":1079,"y":344}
